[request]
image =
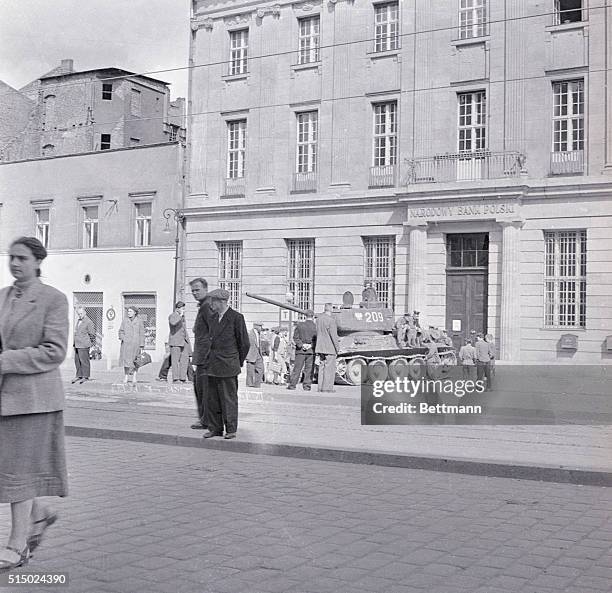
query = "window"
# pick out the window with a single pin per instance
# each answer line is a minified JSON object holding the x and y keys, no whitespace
{"x":307,"y":133}
{"x":472,"y":18}
{"x":42,"y":225}
{"x":136,"y":103}
{"x":92,"y":303}
{"x":48,"y":150}
{"x":143,"y":224}
{"x":467,"y":250}
{"x":379,"y":269}
{"x":147,"y":311}
{"x":236,"y":148}
{"x":90,"y":227}
{"x":386,"y":26}
{"x":565,"y":278}
{"x":385,"y":134}
{"x":568,"y":11}
{"x":309,"y":39}
{"x":172,"y":133}
{"x":105,"y":141}
{"x":230,"y":270}
{"x":107,"y":91}
{"x":300,"y":271}
{"x":239,"y":45}
{"x":568,"y":116}
{"x":472,"y":121}
{"x":134,"y":141}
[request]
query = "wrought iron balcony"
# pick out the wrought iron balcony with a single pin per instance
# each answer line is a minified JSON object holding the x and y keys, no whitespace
{"x":235,"y":186}
{"x":382,"y":176}
{"x":567,"y":163}
{"x":463,"y":166}
{"x":305,"y":181}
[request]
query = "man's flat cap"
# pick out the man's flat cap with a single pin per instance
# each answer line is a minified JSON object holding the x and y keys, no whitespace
{"x":309,"y":313}
{"x":220,"y":294}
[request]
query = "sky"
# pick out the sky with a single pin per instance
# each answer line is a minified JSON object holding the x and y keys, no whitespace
{"x":135,"y":35}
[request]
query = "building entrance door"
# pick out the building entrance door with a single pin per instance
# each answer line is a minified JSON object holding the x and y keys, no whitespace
{"x":466,"y":285}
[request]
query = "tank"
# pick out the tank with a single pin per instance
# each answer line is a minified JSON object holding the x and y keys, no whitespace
{"x":369,"y":348}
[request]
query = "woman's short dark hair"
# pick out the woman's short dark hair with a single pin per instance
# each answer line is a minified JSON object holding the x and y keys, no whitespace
{"x":34,"y":245}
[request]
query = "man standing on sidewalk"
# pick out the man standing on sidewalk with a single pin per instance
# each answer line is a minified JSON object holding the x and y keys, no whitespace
{"x":180,"y":347}
{"x":254,"y":359}
{"x":304,"y":337}
{"x":484,"y":355}
{"x":327,"y":348}
{"x":84,"y":339}
{"x":201,"y":346}
{"x":229,"y":345}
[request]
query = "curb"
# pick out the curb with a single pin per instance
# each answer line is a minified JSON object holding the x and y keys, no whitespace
{"x":460,"y":466}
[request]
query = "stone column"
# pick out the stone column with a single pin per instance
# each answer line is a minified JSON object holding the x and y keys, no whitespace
{"x":417,"y":266}
{"x":510,"y":313}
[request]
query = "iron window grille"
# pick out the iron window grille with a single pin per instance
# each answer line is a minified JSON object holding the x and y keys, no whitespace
{"x":300,"y":271}
{"x":230,"y":270}
{"x":379,"y":267}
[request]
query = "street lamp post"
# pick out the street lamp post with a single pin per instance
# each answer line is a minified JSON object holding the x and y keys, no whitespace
{"x":178,"y":217}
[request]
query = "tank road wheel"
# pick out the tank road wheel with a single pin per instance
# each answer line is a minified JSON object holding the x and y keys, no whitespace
{"x":356,"y":371}
{"x":377,"y":370}
{"x":399,"y":368}
{"x":417,"y":368}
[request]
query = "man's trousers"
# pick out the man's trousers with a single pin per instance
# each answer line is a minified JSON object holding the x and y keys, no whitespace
{"x":305,"y":361}
{"x":222,"y":404}
{"x":254,"y":373}
{"x":180,"y":359}
{"x":327,"y":372}
{"x":200,"y":385}
{"x":81,"y":362}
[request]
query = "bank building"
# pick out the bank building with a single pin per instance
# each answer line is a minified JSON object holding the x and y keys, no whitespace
{"x":457,"y":154}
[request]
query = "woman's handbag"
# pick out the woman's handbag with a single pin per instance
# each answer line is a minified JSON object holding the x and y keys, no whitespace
{"x":274,"y":366}
{"x":142,"y":359}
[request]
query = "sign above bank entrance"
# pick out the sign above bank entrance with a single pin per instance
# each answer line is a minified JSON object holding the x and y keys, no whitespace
{"x":470,"y":210}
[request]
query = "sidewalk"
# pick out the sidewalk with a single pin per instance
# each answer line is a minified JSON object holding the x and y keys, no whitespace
{"x":310,"y":425}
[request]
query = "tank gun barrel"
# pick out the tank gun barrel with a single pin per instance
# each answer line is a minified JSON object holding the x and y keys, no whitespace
{"x":277,"y":303}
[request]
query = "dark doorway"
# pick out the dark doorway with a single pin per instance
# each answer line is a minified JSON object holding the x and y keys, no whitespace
{"x":467,"y":261}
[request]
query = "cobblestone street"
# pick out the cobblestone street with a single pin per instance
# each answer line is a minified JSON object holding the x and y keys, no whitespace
{"x":153,"y":518}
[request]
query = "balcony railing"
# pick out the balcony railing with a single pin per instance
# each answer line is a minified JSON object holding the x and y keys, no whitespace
{"x":567,"y":163}
{"x":382,"y":176}
{"x":464,"y":166}
{"x":305,"y":181}
{"x":235,"y":186}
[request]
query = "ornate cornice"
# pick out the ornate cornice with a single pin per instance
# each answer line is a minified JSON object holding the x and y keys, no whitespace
{"x":237,"y":19}
{"x":307,"y":6}
{"x":202,"y":23}
{"x":265,"y":10}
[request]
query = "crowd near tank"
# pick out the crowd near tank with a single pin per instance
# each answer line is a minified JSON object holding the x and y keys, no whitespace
{"x":374,"y":346}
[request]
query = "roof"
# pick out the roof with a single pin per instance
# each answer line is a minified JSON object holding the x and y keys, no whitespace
{"x":106,"y":72}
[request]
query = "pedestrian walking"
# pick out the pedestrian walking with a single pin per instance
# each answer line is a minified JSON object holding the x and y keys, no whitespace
{"x":33,"y":342}
{"x":254,"y":359}
{"x":84,"y":339}
{"x":327,"y":347}
{"x":180,"y":346}
{"x":132,"y":336}
{"x":201,"y":346}
{"x":229,"y":345}
{"x":467,"y":356}
{"x":304,"y":338}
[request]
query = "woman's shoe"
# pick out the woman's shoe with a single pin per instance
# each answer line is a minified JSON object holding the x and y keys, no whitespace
{"x":24,"y":556}
{"x":35,"y":539}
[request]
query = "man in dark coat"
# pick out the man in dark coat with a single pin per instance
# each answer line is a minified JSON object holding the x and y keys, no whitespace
{"x":327,"y":348}
{"x":304,"y":338}
{"x":229,"y":345}
{"x":254,"y":359}
{"x":84,"y":339}
{"x":201,"y":346}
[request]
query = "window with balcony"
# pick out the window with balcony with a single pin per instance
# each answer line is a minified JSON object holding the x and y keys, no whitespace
{"x":567,"y":156}
{"x":142,"y":228}
{"x":239,"y":45}
{"x":107,"y":91}
{"x":472,"y":18}
{"x":309,"y":39}
{"x":565,"y":278}
{"x":305,"y":177}
{"x":386,"y":26}
{"x":236,"y":157}
{"x":300,"y":271}
{"x":382,"y":172}
{"x":41,"y":216}
{"x":90,"y":227}
{"x":230,"y":270}
{"x":568,"y":11}
{"x":379,"y":267}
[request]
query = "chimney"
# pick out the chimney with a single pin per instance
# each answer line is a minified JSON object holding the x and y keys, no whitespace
{"x":67,"y":66}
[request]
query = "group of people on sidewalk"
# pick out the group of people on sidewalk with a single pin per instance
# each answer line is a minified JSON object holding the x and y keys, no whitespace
{"x":478,"y":353}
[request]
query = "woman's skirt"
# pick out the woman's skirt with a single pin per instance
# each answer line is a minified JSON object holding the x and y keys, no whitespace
{"x":32,"y":456}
